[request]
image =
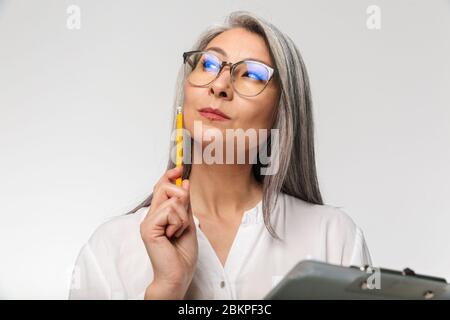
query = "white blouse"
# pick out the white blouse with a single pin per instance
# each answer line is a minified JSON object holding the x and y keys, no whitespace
{"x":114,"y":264}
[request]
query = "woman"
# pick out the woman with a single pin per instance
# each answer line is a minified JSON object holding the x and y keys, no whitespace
{"x":229,"y":231}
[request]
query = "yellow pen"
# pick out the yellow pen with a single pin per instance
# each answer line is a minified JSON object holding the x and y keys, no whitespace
{"x":179,"y":159}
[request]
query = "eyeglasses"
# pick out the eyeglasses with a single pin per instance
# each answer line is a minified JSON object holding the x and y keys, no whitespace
{"x":248,"y":77}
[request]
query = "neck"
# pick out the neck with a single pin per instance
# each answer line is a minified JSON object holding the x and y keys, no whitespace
{"x":223,"y":190}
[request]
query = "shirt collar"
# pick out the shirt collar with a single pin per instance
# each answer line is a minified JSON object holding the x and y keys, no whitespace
{"x":250,"y":216}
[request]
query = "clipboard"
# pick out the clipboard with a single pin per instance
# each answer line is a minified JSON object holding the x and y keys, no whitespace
{"x":311,"y":279}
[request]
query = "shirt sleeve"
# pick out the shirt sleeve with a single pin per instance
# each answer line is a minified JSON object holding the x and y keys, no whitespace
{"x":360,"y":255}
{"x":88,"y":280}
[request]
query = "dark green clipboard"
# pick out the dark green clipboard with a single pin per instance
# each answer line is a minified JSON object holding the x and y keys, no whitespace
{"x":311,"y":279}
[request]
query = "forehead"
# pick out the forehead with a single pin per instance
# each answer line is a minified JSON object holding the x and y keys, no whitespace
{"x":239,"y":44}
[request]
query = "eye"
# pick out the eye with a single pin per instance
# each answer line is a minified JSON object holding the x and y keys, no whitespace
{"x":254,"y":71}
{"x":253,"y":75}
{"x":210,"y":64}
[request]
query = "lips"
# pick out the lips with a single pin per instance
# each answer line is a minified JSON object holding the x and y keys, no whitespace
{"x":213,"y":114}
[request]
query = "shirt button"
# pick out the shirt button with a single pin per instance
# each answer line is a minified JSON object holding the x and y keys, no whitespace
{"x":222,"y":284}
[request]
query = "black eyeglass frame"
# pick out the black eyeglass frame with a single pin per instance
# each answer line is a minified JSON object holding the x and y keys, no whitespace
{"x":232,"y":66}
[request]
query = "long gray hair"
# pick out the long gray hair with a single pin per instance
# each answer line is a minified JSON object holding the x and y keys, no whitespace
{"x":296,"y":175}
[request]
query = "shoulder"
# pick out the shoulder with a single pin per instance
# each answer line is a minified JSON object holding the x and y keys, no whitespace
{"x":111,"y":246}
{"x":116,"y":233}
{"x":339,"y":238}
{"x":331,"y":216}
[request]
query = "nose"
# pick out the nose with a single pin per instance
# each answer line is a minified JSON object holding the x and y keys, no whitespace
{"x":221,"y":87}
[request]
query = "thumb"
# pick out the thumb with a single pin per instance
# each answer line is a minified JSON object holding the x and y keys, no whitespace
{"x":185,"y":184}
{"x":187,"y":200}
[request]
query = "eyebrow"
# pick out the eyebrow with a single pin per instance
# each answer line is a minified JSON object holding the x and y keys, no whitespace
{"x":222,"y":52}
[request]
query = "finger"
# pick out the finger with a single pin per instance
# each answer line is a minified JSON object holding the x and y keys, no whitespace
{"x":171,"y":209}
{"x":184,"y":216}
{"x":167,"y":191}
{"x":185,"y":186}
{"x":180,"y":232}
{"x":167,"y":203}
{"x":173,"y":178}
{"x":175,"y":205}
{"x":169,"y":176}
{"x":174,"y":224}
{"x":179,"y":209}
{"x":156,"y":225}
{"x":188,"y":228}
{"x":187,"y":225}
{"x":172,"y":174}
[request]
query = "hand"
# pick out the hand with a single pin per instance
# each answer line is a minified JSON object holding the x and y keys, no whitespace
{"x":169,"y":235}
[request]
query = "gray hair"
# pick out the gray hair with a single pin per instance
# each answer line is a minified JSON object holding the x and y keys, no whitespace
{"x":296,"y":175}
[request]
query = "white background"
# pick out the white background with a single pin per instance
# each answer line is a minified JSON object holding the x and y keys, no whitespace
{"x":85,"y":115}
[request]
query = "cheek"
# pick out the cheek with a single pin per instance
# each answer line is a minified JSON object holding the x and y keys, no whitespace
{"x":261,"y":110}
{"x":191,"y":98}
{"x":269,"y":106}
{"x":258,"y":115}
{"x":193,"y":122}
{"x":189,"y":118}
